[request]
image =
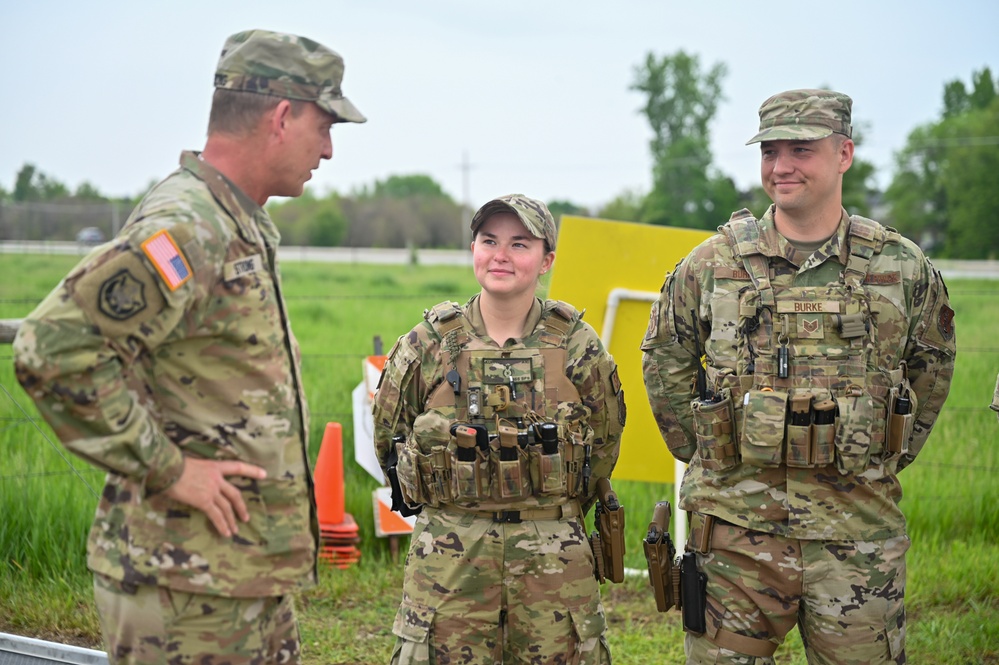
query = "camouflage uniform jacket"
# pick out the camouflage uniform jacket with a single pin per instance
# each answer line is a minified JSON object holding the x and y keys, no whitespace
{"x":901,"y":312}
{"x":172,"y":340}
{"x":416,"y":369}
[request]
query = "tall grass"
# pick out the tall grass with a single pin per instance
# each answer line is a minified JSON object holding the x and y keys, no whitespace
{"x":950,"y":498}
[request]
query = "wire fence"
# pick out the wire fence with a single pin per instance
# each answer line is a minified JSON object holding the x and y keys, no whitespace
{"x":67,"y":469}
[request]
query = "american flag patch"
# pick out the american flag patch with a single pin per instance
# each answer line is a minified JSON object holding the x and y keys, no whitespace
{"x":166,"y":257}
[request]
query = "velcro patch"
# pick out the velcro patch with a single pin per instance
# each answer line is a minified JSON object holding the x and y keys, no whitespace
{"x":121,"y":296}
{"x":807,"y":306}
{"x":945,"y":322}
{"x":879,"y":279}
{"x":506,"y":370}
{"x":615,"y":382}
{"x":810,"y":326}
{"x":244,"y":266}
{"x":166,"y":257}
{"x":724,"y":272}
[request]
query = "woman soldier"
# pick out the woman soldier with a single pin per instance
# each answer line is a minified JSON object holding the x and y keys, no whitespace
{"x":498,"y":418}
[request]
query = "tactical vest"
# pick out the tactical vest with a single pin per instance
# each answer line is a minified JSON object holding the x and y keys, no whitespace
{"x":521,"y":438}
{"x":813,"y":382}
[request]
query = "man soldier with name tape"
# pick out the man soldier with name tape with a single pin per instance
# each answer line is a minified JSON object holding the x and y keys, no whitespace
{"x":166,"y":358}
{"x":828,"y":350}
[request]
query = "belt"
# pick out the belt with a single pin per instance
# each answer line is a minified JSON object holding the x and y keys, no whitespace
{"x":570,"y":509}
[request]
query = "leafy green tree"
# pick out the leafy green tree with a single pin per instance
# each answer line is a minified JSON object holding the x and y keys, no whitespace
{"x":87,"y":192}
{"x":310,"y":221}
{"x":625,"y":207}
{"x":405,"y":186}
{"x":559,"y":207}
{"x":945,"y":193}
{"x":32,"y":185}
{"x":680,"y":102}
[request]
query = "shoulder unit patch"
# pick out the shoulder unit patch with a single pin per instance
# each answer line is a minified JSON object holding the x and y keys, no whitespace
{"x":121,"y":296}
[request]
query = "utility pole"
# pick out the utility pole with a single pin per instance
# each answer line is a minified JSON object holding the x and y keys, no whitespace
{"x":466,"y":204}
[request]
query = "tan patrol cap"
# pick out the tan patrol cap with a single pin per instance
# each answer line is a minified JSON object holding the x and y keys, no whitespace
{"x":804,"y":115}
{"x":289,"y":66}
{"x":532,"y":212}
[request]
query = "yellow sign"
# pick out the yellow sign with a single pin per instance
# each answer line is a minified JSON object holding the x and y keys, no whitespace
{"x":614,"y":271}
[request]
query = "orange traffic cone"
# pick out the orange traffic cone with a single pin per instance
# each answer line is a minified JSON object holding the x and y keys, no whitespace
{"x":338,"y":532}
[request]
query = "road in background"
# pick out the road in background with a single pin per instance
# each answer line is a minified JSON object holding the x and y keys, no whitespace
{"x":432,"y":257}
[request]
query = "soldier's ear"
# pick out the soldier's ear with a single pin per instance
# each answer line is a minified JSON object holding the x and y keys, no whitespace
{"x":279,"y":117}
{"x":845,"y":155}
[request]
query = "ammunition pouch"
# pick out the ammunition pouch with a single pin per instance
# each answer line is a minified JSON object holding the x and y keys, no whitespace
{"x":806,"y":427}
{"x":660,"y":553}
{"x":504,"y":470}
{"x":607,"y":541}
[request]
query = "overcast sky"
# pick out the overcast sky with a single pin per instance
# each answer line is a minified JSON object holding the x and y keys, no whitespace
{"x":534,"y":92}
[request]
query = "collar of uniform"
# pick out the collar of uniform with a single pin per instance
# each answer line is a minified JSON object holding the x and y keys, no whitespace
{"x":473,"y":312}
{"x":773,"y":243}
{"x":240,"y":207}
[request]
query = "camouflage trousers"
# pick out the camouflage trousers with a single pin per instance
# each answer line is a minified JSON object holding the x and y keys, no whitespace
{"x":845,"y":597}
{"x":478,"y":592}
{"x":152,"y":624}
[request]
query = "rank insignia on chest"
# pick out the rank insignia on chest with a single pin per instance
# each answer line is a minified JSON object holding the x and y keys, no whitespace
{"x":166,"y":257}
{"x":810,"y":326}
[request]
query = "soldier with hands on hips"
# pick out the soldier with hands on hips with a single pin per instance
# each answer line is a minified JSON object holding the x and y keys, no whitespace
{"x":166,"y":358}
{"x":501,"y":418}
{"x":829,"y":348}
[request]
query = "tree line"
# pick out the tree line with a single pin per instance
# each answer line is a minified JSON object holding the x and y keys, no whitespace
{"x":944,"y":191}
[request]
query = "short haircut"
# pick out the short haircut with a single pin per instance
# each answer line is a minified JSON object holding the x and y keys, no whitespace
{"x":238,"y":112}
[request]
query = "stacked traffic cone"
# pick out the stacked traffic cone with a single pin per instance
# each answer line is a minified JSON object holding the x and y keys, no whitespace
{"x":338,"y":532}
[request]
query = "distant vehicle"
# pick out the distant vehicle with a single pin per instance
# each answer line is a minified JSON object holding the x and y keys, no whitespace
{"x":90,"y":236}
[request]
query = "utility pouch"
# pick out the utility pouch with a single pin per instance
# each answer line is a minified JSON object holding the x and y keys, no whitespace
{"x":512,"y":469}
{"x":660,"y":553}
{"x":824,"y":431}
{"x":693,"y":594}
{"x":763,"y":417}
{"x":714,"y":426}
{"x":470,"y":462}
{"x":853,"y":430}
{"x":800,"y":432}
{"x":411,"y":463}
{"x":438,"y":474}
{"x":900,"y":420}
{"x":608,"y":541}
{"x":574,"y":455}
{"x":547,"y":470}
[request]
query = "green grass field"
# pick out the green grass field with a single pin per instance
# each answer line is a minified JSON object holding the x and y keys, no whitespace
{"x":47,"y":498}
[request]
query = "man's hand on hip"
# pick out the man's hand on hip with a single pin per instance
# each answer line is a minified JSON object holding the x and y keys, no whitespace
{"x":203,"y":485}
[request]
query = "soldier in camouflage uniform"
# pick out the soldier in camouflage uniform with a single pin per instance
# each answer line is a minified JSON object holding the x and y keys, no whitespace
{"x":499,"y":417}
{"x":166,"y":358}
{"x":829,"y":350}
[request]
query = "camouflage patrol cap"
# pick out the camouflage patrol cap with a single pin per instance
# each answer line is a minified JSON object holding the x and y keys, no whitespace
{"x":804,"y":115}
{"x":283,"y":65}
{"x":532,"y":212}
